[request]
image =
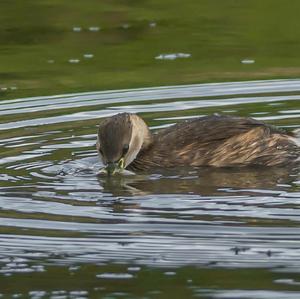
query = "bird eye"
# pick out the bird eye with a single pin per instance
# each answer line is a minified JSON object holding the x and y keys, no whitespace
{"x":125,"y":149}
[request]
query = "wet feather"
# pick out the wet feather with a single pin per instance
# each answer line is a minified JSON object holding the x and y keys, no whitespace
{"x":219,"y":141}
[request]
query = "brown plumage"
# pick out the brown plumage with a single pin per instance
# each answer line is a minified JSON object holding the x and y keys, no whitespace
{"x":219,"y":141}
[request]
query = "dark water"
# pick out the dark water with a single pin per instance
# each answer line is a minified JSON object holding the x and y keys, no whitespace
{"x":63,"y":46}
{"x":221,"y":233}
{"x":66,"y":232}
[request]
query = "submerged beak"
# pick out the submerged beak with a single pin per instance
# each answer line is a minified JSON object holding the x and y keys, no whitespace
{"x":111,"y":168}
{"x":115,"y":167}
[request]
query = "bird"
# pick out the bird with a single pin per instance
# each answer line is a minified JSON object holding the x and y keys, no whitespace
{"x":124,"y":141}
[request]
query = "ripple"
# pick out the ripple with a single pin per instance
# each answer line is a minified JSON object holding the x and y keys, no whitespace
{"x":172,"y":56}
{"x":115,"y":275}
{"x":255,"y":294}
{"x":56,"y":209}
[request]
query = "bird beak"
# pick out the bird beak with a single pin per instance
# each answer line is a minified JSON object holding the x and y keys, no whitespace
{"x":111,"y":168}
{"x":115,"y":167}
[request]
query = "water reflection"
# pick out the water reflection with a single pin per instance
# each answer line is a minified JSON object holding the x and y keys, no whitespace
{"x":66,"y":232}
{"x":204,"y":181}
{"x":56,"y":209}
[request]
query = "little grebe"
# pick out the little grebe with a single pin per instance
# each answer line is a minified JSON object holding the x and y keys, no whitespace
{"x":125,"y":141}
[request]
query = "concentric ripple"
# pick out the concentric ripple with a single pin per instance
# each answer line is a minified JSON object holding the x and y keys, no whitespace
{"x":55,"y":207}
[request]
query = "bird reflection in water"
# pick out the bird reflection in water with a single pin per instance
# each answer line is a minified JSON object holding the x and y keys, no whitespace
{"x":202,"y":181}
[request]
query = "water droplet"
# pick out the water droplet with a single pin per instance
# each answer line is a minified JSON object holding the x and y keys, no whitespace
{"x":152,"y":24}
{"x":88,"y":56}
{"x":183,"y":55}
{"x":172,"y":56}
{"x":247,"y":61}
{"x":125,"y":26}
{"x":170,"y":273}
{"x":74,"y":60}
{"x":94,"y":28}
{"x":115,"y":275}
{"x":77,"y":29}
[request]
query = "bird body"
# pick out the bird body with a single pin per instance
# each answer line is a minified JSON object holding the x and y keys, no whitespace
{"x":219,"y":141}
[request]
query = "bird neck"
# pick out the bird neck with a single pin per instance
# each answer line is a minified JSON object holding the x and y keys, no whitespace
{"x":141,"y":132}
{"x":141,"y":138}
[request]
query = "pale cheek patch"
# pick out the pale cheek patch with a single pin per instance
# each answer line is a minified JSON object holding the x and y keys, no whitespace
{"x":134,"y":148}
{"x":138,"y":138}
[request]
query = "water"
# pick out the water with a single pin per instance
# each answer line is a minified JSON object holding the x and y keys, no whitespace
{"x":56,"y":47}
{"x":209,"y":233}
{"x":66,"y":232}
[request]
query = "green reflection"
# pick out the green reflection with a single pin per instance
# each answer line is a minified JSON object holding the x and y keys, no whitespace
{"x":132,"y":281}
{"x":40,"y":38}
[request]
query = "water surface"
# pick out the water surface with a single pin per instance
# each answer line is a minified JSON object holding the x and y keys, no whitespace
{"x":52,"y":47}
{"x":66,"y":232}
{"x":209,"y":233}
